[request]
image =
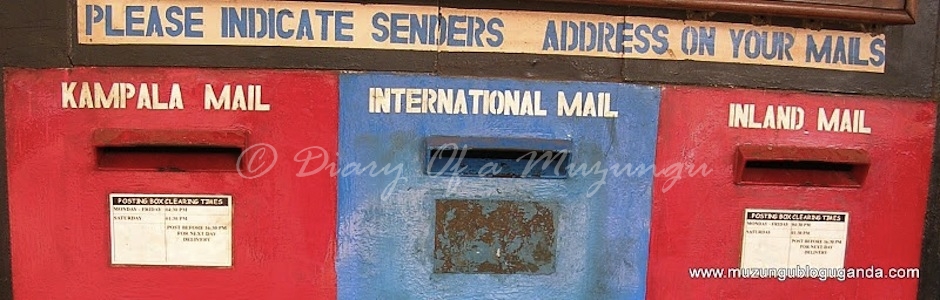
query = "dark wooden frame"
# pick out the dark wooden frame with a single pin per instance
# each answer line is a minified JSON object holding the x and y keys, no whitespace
{"x":820,"y":11}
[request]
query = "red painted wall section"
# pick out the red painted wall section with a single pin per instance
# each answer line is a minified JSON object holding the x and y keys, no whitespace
{"x":698,"y":220}
{"x":283,"y":225}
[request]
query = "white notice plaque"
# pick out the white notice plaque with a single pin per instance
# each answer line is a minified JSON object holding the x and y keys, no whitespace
{"x":787,"y":239}
{"x":171,"y":230}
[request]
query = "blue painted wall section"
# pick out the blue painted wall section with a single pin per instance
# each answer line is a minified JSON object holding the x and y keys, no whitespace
{"x":388,"y":200}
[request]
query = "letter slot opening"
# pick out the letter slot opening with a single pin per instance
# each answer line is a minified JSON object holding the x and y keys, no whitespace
{"x":498,"y":157}
{"x":169,"y":150}
{"x":794,"y":166}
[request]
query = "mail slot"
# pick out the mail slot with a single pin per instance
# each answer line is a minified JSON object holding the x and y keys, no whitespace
{"x":169,"y":150}
{"x":821,"y":167}
{"x":506,"y":157}
{"x":805,"y":195}
{"x":482,"y":188}
{"x":170,"y":183}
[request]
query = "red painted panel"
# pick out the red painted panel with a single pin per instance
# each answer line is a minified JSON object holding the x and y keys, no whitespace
{"x":283,"y":225}
{"x":698,"y":220}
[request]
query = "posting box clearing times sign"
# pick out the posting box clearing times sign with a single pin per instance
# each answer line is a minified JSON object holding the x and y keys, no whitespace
{"x":429,"y":28}
{"x":789,"y":239}
{"x":176,"y":230}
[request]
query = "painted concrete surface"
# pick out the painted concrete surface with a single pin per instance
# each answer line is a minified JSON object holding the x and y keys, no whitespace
{"x":700,"y":221}
{"x":282,"y":225}
{"x":386,"y":222}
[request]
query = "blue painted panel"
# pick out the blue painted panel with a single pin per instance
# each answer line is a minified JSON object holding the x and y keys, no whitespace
{"x":386,"y":227}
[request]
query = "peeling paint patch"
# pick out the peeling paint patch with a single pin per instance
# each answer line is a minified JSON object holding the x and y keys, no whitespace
{"x":494,"y":237}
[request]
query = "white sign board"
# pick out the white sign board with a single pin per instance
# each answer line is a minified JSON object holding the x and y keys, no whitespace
{"x":171,"y":230}
{"x":787,"y":239}
{"x":446,"y":29}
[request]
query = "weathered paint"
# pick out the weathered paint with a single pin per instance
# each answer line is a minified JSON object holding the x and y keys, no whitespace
{"x":6,"y":276}
{"x":387,"y":221}
{"x":283,"y":229}
{"x":497,"y":237}
{"x":698,"y":217}
{"x":30,"y":39}
{"x":493,"y":31}
{"x":909,"y":73}
{"x":36,"y":34}
{"x":929,"y":288}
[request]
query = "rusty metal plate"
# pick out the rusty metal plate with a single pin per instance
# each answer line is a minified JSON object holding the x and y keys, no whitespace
{"x":495,"y":237}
